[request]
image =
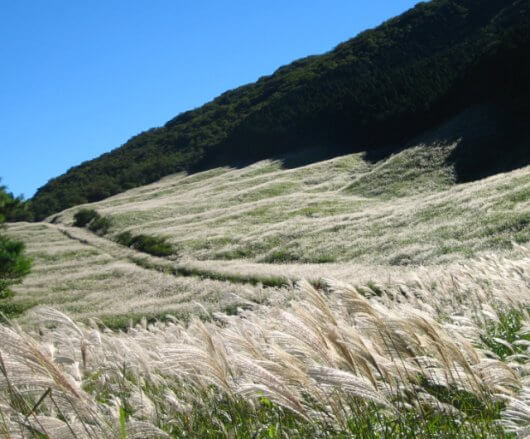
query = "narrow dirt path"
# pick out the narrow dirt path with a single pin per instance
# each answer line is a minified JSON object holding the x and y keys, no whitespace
{"x":241,"y":271}
{"x":147,"y":261}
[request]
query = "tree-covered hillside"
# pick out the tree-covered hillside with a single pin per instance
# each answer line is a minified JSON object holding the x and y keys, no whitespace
{"x":379,"y":89}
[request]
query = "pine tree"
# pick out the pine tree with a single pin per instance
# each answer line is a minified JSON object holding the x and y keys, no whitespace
{"x":14,"y":264}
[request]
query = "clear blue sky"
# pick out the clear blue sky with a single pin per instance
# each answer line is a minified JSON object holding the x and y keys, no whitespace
{"x":80,"y":77}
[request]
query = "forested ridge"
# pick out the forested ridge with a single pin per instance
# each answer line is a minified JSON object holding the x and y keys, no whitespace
{"x":379,"y":89}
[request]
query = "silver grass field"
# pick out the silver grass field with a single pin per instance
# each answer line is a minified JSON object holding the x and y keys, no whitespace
{"x":340,"y":299}
{"x":332,"y":355}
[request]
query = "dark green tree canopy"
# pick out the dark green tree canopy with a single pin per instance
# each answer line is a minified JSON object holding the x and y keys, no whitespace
{"x":14,"y":265}
{"x":13,"y":208}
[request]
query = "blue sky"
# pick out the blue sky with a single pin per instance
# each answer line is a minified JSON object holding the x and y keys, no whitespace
{"x":80,"y":77}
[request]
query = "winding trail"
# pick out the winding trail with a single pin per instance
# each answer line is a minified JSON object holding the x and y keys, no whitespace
{"x":237,"y":270}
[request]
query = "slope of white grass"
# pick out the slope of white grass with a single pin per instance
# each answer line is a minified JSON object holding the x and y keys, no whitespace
{"x":238,"y":228}
{"x":400,"y":344}
{"x":403,"y":210}
{"x":442,"y":357}
{"x":99,"y":279}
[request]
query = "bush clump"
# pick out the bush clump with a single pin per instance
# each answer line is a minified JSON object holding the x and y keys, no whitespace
{"x":92,"y":220}
{"x":154,"y":245}
{"x":84,"y":216}
{"x":14,"y":264}
{"x":100,"y":225}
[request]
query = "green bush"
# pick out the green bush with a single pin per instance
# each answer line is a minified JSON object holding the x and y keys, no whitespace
{"x":84,"y":216}
{"x":11,"y":310}
{"x":92,"y":220}
{"x":508,"y":328}
{"x":100,"y":225}
{"x":154,"y":245}
{"x":14,"y":265}
{"x":124,"y":238}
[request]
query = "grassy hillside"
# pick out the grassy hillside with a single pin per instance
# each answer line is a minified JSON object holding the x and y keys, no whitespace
{"x":75,"y":271}
{"x":379,"y":89}
{"x":444,"y":355}
{"x":257,"y":230}
{"x":341,"y":249}
{"x":234,"y":334}
{"x":406,"y":209}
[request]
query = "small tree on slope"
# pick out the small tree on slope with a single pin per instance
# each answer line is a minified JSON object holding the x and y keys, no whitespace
{"x":14,"y":265}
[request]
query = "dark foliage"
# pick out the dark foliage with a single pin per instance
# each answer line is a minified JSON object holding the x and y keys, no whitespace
{"x":100,"y":225}
{"x":10,"y":310}
{"x":84,"y":216}
{"x":14,"y":208}
{"x":377,"y":90}
{"x":154,"y":245}
{"x":14,"y":265}
{"x":92,"y":220}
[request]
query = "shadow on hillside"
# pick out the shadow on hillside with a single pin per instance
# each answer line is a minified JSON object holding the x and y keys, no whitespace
{"x":308,"y":156}
{"x":295,"y":159}
{"x":488,"y":141}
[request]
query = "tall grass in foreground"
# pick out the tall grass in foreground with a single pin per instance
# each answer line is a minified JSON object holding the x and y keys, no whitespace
{"x":438,"y":357}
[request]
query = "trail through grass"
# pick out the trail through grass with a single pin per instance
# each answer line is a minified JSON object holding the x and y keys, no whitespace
{"x":446,"y":355}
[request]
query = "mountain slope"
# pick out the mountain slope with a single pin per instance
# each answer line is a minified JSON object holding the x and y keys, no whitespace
{"x":380,"y":89}
{"x":404,"y":209}
{"x":245,"y":234}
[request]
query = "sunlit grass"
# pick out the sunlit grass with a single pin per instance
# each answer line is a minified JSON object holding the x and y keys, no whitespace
{"x":346,"y":209}
{"x":446,"y":355}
